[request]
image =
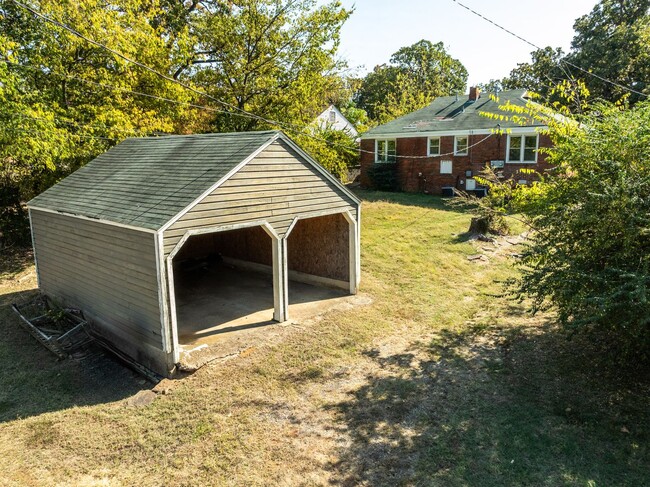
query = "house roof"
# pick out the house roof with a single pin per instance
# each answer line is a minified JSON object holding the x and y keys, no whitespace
{"x":145,"y":182}
{"x":449,"y":113}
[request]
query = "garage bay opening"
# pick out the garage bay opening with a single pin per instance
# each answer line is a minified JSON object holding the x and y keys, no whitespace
{"x":223,"y":283}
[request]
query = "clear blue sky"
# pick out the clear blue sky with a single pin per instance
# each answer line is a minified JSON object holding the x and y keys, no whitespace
{"x":378,"y":28}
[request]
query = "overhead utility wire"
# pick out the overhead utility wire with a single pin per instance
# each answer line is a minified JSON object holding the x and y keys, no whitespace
{"x":240,"y":111}
{"x":82,"y":125}
{"x":478,"y":14}
{"x":114,"y":88}
{"x":128,"y":59}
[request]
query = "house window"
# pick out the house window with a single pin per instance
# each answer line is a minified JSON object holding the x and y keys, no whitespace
{"x":386,"y":151}
{"x":434,"y":146}
{"x":460,"y":145}
{"x":445,"y":167}
{"x":522,"y":148}
{"x":332,"y":116}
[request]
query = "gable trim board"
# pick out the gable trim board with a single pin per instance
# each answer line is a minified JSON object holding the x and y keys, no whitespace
{"x":322,"y":170}
{"x":237,"y":168}
{"x":225,"y":178}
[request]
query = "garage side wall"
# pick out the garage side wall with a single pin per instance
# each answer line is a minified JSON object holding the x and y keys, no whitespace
{"x":276,"y":186}
{"x":109,"y":273}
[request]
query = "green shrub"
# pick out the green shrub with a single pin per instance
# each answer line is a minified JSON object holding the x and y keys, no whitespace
{"x":384,"y":177}
{"x":589,"y":253}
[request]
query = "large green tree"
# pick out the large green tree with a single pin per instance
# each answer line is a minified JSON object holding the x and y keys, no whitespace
{"x":541,"y":75}
{"x":63,"y":100}
{"x":610,"y":56}
{"x":414,"y":77}
{"x":613,"y":42}
{"x":275,"y":58}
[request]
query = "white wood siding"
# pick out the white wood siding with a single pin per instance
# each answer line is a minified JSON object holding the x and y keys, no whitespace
{"x":109,"y":272}
{"x":276,"y":186}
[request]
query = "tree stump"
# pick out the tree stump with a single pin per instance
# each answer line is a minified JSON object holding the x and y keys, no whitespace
{"x":479,"y":225}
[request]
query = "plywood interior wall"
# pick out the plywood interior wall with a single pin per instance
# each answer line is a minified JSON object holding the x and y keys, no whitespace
{"x":248,"y":244}
{"x":320,"y":246}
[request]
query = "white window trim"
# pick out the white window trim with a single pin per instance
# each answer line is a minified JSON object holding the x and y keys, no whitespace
{"x":377,"y":160}
{"x":451,"y":166}
{"x":429,"y":153}
{"x":522,"y":149}
{"x":456,"y":153}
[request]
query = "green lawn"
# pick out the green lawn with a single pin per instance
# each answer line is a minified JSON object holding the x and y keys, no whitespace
{"x":438,"y":382}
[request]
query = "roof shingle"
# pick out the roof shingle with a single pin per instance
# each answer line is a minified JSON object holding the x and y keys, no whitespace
{"x":450,"y":113}
{"x":145,"y":182}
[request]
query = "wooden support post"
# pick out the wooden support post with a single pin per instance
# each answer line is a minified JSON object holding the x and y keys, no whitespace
{"x":279,"y":280}
{"x":354,"y":251}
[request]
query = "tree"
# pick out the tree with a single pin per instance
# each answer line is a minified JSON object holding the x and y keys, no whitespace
{"x":335,"y":150}
{"x":273,"y":58}
{"x":415,"y":76}
{"x":588,"y":255}
{"x":613,"y":42}
{"x":610,"y":53}
{"x":63,"y":101}
{"x":541,"y":75}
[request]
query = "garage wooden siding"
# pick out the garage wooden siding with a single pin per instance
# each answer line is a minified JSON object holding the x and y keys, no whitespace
{"x":276,"y":186}
{"x":107,"y":271}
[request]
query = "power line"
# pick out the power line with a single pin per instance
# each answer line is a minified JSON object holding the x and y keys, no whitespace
{"x":498,"y":26}
{"x":139,"y":133}
{"x":129,"y":60}
{"x":115,"y":88}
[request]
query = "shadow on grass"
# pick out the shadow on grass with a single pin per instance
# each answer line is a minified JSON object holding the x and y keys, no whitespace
{"x":15,"y":260}
{"x":412,"y":199}
{"x":34,"y":381}
{"x":496,"y":407}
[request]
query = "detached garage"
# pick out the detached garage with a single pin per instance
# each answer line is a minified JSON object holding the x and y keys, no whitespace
{"x":159,"y":237}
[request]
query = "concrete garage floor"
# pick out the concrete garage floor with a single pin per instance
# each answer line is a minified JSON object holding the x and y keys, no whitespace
{"x":223,"y":310}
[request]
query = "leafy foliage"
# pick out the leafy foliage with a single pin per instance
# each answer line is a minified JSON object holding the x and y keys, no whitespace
{"x":63,"y":100}
{"x":384,"y":176}
{"x":335,"y":150}
{"x":414,"y":77}
{"x":273,"y":58}
{"x":541,"y":75}
{"x":590,"y":252}
{"x":613,"y":42}
{"x":610,"y":53}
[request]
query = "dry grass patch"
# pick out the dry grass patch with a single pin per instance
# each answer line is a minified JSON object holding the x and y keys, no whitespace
{"x":437,"y":382}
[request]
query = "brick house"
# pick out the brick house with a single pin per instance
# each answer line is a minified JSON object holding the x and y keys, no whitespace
{"x":447,"y":143}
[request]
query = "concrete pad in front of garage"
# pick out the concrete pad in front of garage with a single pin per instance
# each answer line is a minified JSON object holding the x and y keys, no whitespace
{"x":224,"y":311}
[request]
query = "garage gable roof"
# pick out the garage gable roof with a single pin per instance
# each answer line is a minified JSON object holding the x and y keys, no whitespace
{"x":145,"y":182}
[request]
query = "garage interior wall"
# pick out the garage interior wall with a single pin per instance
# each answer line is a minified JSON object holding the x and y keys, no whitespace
{"x":320,"y":247}
{"x":246,"y":244}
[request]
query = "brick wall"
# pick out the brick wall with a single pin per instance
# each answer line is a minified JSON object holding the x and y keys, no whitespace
{"x":423,"y":175}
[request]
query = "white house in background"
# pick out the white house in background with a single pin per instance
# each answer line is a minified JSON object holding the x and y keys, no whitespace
{"x":333,"y":118}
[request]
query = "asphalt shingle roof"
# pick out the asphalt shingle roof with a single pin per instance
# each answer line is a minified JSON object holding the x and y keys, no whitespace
{"x":447,"y":114}
{"x":145,"y":182}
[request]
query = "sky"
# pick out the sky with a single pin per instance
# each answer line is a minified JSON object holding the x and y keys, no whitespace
{"x":378,"y":28}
